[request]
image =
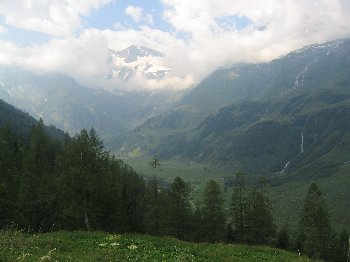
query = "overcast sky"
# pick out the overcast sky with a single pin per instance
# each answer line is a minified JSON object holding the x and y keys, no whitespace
{"x":73,"y":36}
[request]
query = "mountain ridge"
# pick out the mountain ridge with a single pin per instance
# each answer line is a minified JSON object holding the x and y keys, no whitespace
{"x":307,"y":83}
{"x":62,"y":102}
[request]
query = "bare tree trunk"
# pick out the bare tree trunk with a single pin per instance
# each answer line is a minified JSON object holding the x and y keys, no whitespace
{"x":156,"y":205}
{"x":86,"y":217}
{"x":347,"y":260}
{"x":87,"y":223}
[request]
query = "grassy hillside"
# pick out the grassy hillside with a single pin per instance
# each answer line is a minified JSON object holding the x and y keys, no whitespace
{"x":287,"y":199}
{"x":82,"y":246}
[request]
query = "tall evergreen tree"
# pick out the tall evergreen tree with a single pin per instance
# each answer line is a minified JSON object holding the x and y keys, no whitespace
{"x":283,"y":238}
{"x":318,"y":236}
{"x":131,"y":200}
{"x":10,"y":170}
{"x":261,"y":229}
{"x":239,"y":209}
{"x":214,"y":218}
{"x":34,"y":197}
{"x":152,"y":199}
{"x":341,"y":251}
{"x":83,"y":165}
{"x":180,"y":208}
{"x":152,"y":206}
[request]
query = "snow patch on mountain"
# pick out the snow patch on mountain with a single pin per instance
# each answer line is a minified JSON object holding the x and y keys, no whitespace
{"x":326,"y":46}
{"x":139,"y":60}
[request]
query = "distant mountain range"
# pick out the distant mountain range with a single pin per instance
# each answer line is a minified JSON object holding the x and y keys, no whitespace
{"x":289,"y":115}
{"x":62,"y":102}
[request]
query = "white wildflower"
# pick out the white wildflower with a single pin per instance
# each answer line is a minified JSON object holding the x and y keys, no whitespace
{"x":132,"y":247}
{"x":48,"y":256}
{"x":23,"y":256}
{"x":114,"y":244}
{"x":113,"y":237}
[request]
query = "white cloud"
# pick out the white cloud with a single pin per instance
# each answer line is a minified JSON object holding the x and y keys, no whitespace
{"x":52,"y":17}
{"x":119,"y":27}
{"x":9,"y":52}
{"x":2,"y":29}
{"x":84,"y":58}
{"x":134,"y":12}
{"x":277,"y":27}
{"x":287,"y":25}
{"x":149,"y":19}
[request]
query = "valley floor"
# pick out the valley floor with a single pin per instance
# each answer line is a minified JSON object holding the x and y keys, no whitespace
{"x":286,"y":198}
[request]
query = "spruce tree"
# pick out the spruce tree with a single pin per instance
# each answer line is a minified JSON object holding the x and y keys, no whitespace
{"x":10,"y":170}
{"x":214,"y":218}
{"x":84,"y":165}
{"x":33,"y":195}
{"x":315,"y":227}
{"x":239,"y":209}
{"x":341,"y":251}
{"x":283,"y":238}
{"x":152,"y":199}
{"x":261,"y":229}
{"x":180,"y":208}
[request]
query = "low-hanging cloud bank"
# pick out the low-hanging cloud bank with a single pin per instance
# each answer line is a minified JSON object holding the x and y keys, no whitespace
{"x":201,"y":37}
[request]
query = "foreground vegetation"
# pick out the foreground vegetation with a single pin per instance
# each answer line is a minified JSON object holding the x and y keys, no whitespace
{"x":83,"y":246}
{"x":75,"y":184}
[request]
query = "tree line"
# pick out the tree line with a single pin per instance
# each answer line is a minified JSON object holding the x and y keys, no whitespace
{"x":76,"y":184}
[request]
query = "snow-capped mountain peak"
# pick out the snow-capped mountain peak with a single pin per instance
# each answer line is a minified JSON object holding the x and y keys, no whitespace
{"x":139,"y":59}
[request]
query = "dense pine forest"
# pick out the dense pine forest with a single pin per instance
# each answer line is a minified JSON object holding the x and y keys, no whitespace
{"x":51,"y":183}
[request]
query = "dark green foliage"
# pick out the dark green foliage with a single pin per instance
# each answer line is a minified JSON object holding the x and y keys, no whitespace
{"x":283,"y":238}
{"x":251,"y":213}
{"x":10,"y":170}
{"x":239,"y":209}
{"x":84,"y":177}
{"x":75,"y":183}
{"x":99,"y":192}
{"x":317,"y":235}
{"x":180,"y":213}
{"x":152,"y":220}
{"x":261,"y":229}
{"x":213,"y":212}
{"x":153,"y":208}
{"x":37,"y":182}
{"x":72,"y":183}
{"x":341,"y":247}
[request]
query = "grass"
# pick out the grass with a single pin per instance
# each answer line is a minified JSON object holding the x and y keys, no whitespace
{"x":98,"y":246}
